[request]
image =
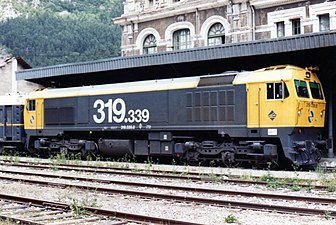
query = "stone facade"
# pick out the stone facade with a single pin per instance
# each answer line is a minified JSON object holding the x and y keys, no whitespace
{"x":9,"y":85}
{"x":151,"y":26}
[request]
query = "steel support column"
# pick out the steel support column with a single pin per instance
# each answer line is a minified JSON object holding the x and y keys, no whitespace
{"x":330,"y":117}
{"x":330,"y":123}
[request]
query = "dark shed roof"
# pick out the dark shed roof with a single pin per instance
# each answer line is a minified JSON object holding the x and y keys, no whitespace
{"x":23,"y":63}
{"x":227,"y":51}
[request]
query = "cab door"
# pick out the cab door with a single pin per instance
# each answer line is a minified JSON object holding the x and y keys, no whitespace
{"x":34,"y":114}
{"x":278,"y":107}
{"x":253,"y":105}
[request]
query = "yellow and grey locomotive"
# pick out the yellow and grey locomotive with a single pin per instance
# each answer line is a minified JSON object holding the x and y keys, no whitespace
{"x":257,"y":117}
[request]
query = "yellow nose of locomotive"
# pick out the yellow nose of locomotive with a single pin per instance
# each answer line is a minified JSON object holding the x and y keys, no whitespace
{"x":284,"y":96}
{"x":310,"y":100}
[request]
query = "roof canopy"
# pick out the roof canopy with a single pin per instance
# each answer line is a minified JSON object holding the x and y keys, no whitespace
{"x":206,"y":60}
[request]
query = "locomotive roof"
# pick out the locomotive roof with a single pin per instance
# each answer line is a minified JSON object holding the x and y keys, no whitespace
{"x":273,"y":73}
{"x":139,"y":86}
{"x":12,"y":99}
{"x":174,"y":84}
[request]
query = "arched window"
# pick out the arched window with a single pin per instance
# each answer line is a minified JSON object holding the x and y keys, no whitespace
{"x":216,"y":34}
{"x":149,"y":44}
{"x":181,"y":39}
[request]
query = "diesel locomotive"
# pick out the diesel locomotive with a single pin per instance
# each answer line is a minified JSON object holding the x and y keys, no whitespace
{"x":262,"y":117}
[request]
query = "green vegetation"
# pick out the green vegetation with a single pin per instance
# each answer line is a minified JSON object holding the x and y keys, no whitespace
{"x":59,"y":32}
{"x":231,"y":219}
{"x":327,"y":179}
{"x":78,"y":206}
{"x":327,"y":215}
{"x":7,"y":221}
{"x":79,"y":200}
{"x":294,"y":184}
{"x":272,"y":182}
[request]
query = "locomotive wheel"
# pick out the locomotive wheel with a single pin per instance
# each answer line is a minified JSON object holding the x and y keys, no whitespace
{"x":191,"y":158}
{"x":228,"y":159}
{"x":89,"y":155}
{"x":2,"y":150}
{"x":318,"y":155}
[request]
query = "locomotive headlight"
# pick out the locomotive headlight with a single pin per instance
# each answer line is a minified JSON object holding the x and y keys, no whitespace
{"x":322,"y":112}
{"x":299,"y":112}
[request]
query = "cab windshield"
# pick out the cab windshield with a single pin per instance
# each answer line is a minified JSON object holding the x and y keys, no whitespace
{"x":315,"y":89}
{"x":301,"y":88}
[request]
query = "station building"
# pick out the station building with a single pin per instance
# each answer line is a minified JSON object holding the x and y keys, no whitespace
{"x":9,"y":65}
{"x":151,"y":26}
{"x":176,"y":38}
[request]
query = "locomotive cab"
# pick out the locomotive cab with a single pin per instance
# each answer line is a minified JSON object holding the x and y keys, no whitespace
{"x":283,"y":101}
{"x":291,"y":97}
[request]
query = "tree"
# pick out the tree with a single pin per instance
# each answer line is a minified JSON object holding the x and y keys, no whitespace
{"x":43,"y":38}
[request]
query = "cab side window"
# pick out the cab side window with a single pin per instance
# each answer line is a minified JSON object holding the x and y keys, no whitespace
{"x":316,"y":91}
{"x":277,"y":90}
{"x":301,"y":88}
{"x":31,"y":105}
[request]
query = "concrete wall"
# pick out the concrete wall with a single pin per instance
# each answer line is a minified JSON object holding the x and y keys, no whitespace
{"x":9,"y":85}
{"x":5,"y":76}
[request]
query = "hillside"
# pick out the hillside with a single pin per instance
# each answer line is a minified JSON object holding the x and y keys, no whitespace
{"x":46,"y":32}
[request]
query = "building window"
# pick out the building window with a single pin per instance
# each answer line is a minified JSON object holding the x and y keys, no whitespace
{"x":149,"y":45}
{"x":216,"y":34}
{"x":280,"y":26}
{"x":324,"y":22}
{"x":296,"y":26}
{"x":150,"y":3}
{"x":181,"y":39}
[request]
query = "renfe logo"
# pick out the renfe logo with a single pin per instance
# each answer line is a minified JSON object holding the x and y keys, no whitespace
{"x":311,"y":116}
{"x":272,"y":115}
{"x":31,"y":120}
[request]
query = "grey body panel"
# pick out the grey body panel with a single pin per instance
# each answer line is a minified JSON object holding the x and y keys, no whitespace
{"x":206,"y":108}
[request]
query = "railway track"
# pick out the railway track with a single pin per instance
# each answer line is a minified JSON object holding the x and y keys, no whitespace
{"x":187,"y":196}
{"x":33,"y":211}
{"x":193,"y":176}
{"x":40,"y":212}
{"x":161,"y":186}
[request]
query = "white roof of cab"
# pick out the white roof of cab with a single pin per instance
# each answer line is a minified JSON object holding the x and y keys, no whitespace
{"x":268,"y":74}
